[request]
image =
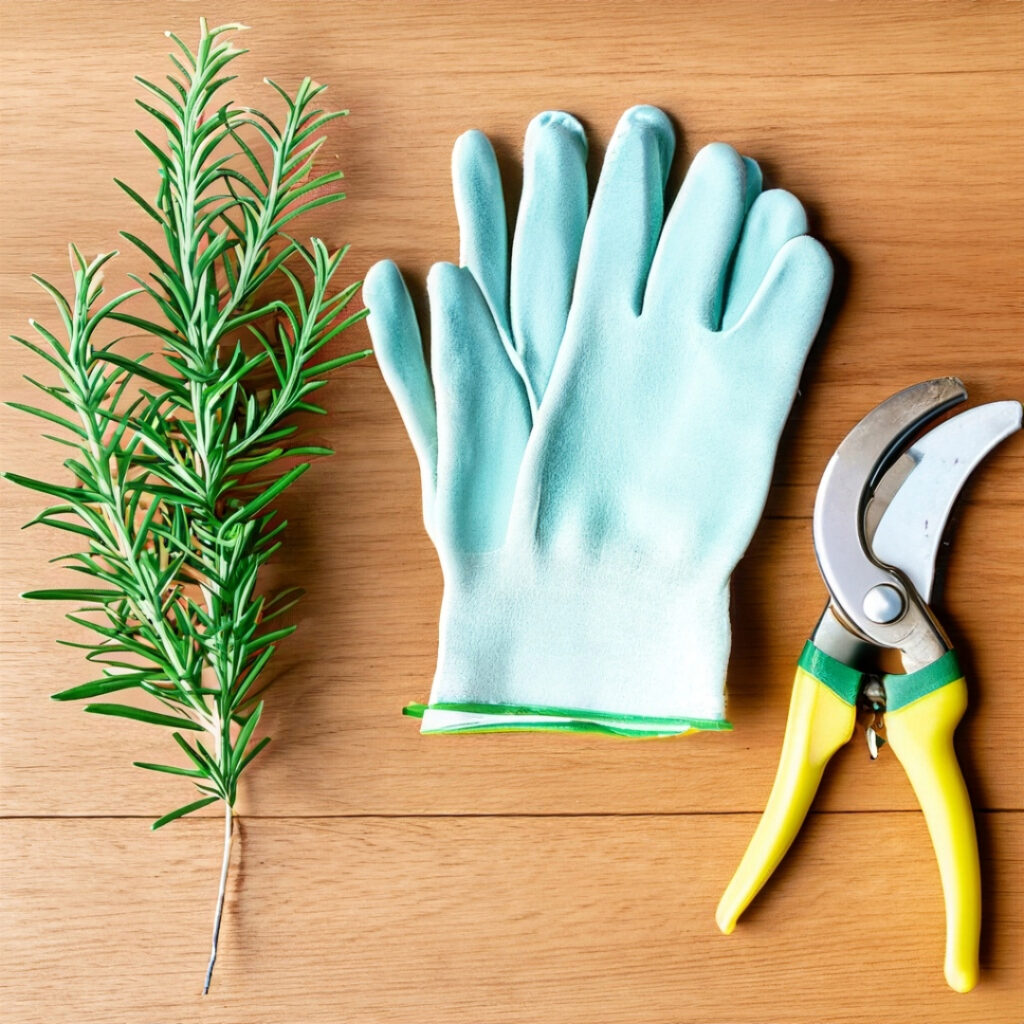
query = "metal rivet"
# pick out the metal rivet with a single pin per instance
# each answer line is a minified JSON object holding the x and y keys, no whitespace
{"x":883,"y":603}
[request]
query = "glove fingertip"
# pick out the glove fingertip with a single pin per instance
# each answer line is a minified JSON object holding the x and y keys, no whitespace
{"x":754,"y":178}
{"x":792,"y":298}
{"x":469,"y":147}
{"x":444,"y":280}
{"x":558,"y":125}
{"x":476,"y":181}
{"x":646,"y":115}
{"x":718,"y":161}
{"x":812,"y":260}
{"x":382,"y":285}
{"x":392,"y":319}
{"x":783,"y":211}
{"x":648,"y":119}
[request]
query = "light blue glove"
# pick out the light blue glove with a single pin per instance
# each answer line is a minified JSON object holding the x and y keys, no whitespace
{"x":597,"y":432}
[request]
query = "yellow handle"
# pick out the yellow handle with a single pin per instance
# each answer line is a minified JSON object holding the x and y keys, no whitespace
{"x":921,"y":736}
{"x":819,"y":723}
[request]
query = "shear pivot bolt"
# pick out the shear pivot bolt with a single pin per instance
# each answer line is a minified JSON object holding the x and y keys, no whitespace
{"x":883,"y":603}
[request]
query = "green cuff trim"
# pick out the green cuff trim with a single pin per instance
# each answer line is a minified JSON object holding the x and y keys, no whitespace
{"x":901,"y":690}
{"x":842,"y":680}
{"x":596,"y":728}
{"x":606,"y":722}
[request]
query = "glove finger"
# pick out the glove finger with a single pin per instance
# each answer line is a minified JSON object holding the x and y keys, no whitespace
{"x":690,"y":267}
{"x":755,"y":181}
{"x":483,"y":229}
{"x":483,"y":414}
{"x":771,"y":341}
{"x":774,"y":218}
{"x":629,"y":204}
{"x":399,"y":350}
{"x":549,"y":231}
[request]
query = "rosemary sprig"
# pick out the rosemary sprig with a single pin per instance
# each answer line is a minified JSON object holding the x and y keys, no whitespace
{"x":175,"y":468}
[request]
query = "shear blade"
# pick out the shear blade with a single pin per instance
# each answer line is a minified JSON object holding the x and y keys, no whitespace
{"x":914,"y":499}
{"x":847,"y":563}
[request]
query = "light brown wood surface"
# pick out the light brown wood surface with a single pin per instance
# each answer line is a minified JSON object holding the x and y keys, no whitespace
{"x":385,"y":876}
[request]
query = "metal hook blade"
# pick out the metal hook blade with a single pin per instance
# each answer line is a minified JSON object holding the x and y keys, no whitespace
{"x":914,"y":514}
{"x":873,"y":599}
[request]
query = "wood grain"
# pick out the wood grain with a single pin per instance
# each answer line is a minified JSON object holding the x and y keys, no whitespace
{"x":383,"y":876}
{"x":585,"y":919}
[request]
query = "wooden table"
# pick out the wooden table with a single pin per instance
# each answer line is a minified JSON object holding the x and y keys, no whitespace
{"x":385,"y":876}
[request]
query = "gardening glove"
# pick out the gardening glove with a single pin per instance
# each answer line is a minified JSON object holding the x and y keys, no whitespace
{"x":597,"y":430}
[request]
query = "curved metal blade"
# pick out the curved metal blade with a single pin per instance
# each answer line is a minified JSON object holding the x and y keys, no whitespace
{"x":850,"y":478}
{"x":876,"y":601}
{"x":914,"y":498}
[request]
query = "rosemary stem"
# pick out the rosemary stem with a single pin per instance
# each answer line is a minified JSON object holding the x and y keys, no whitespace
{"x":218,"y":913}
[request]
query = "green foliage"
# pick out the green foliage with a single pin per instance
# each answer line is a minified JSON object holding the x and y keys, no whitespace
{"x":175,"y":463}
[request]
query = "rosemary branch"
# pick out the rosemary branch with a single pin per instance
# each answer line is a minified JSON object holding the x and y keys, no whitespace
{"x":175,"y":469}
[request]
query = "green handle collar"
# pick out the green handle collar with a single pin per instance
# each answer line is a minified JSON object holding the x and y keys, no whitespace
{"x":900,"y":689}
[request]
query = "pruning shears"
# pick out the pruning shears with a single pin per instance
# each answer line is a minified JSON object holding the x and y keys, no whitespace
{"x":879,"y":518}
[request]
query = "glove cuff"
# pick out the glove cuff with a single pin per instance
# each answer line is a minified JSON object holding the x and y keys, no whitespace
{"x":537,"y":646}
